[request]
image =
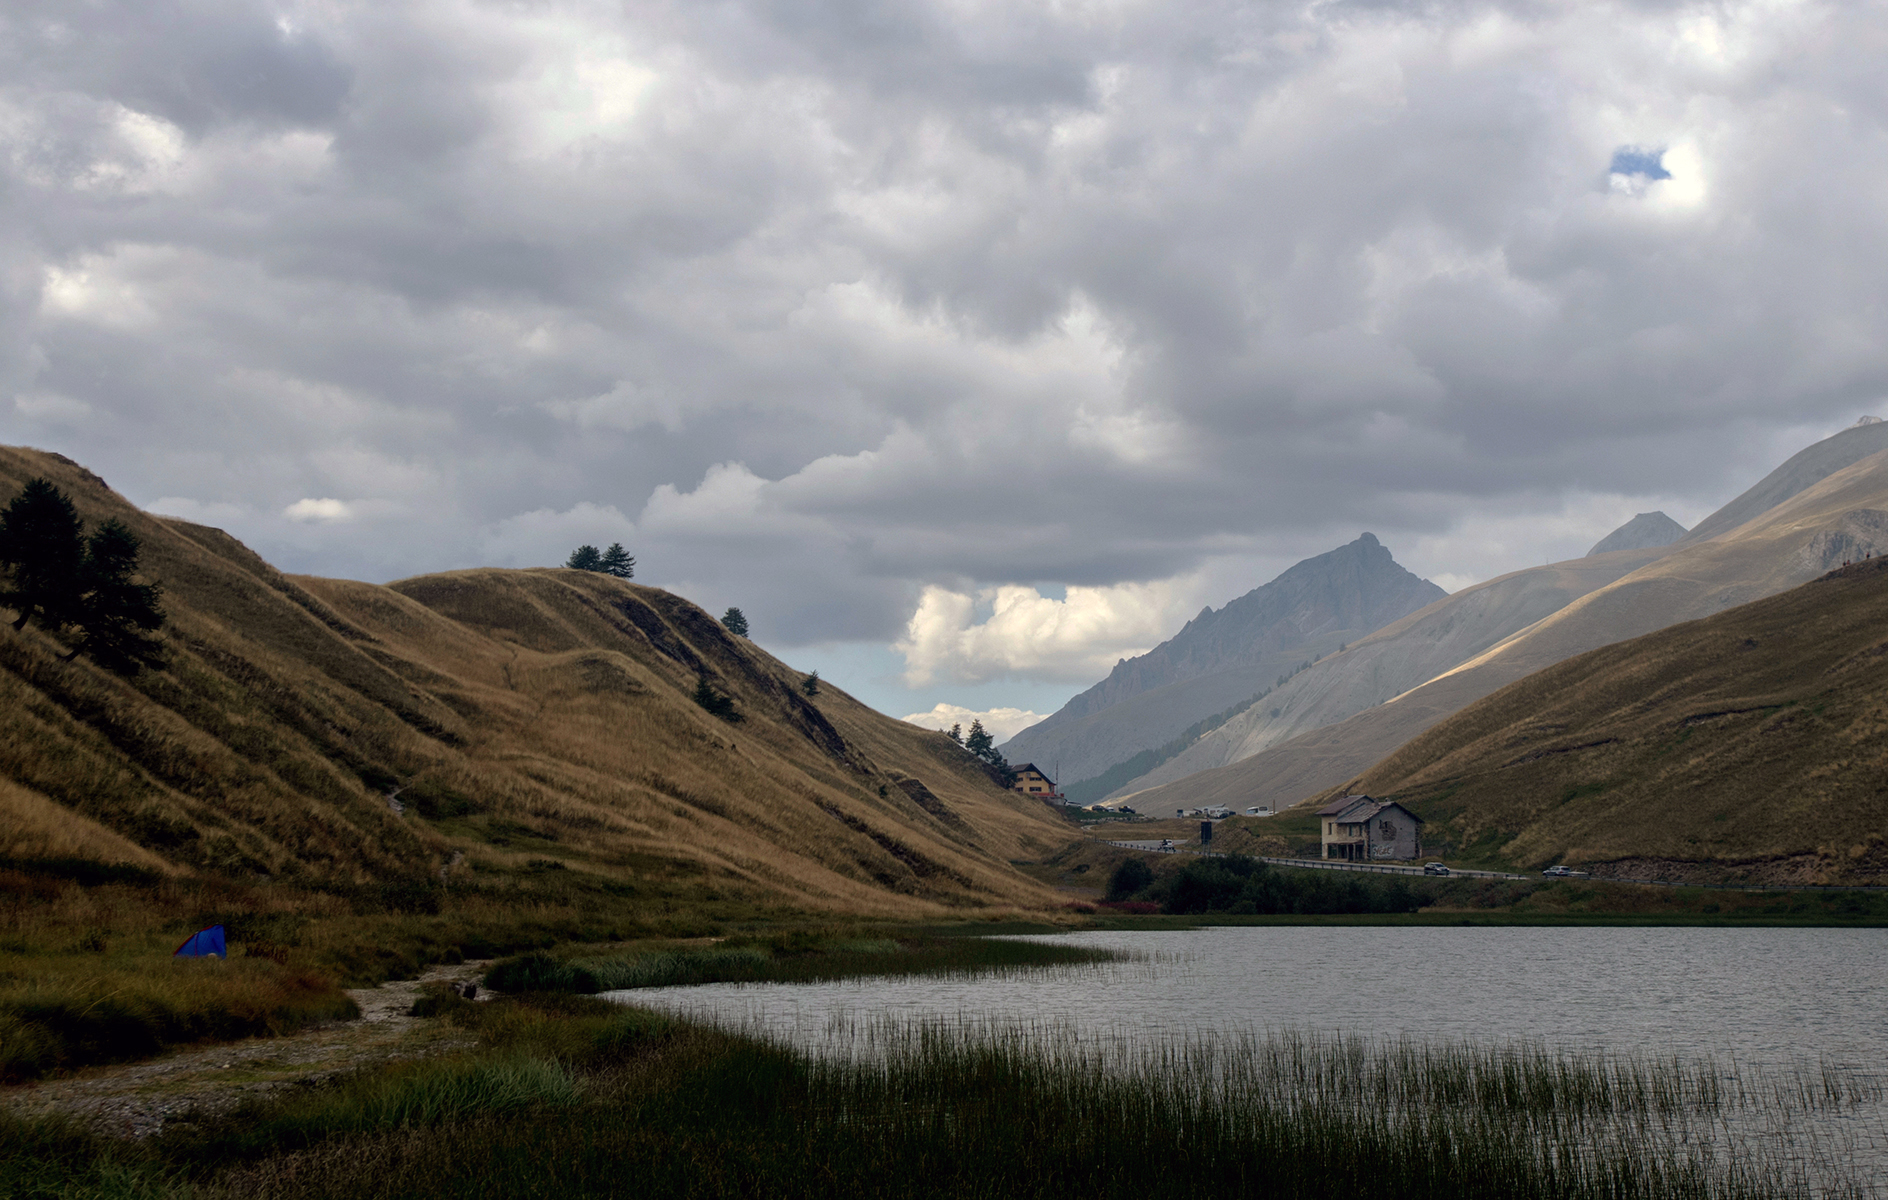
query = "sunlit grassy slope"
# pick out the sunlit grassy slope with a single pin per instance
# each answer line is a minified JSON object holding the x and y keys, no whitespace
{"x":1749,"y":745}
{"x":531,"y":720}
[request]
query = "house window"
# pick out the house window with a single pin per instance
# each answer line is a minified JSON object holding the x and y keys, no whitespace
{"x":1386,"y":829}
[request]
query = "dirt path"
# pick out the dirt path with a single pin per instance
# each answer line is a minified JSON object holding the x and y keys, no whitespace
{"x":138,"y":1099}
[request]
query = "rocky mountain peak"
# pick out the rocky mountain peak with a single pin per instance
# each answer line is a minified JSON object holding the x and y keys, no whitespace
{"x":1641,"y":533}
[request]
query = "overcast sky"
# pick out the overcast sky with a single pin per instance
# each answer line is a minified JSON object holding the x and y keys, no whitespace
{"x":966,"y":346}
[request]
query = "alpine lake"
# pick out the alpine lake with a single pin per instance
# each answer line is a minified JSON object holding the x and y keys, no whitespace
{"x":1782,"y":1032}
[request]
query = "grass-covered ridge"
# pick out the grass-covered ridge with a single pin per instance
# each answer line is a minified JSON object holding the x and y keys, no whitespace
{"x":1741,"y":747}
{"x":788,"y":958}
{"x":590,"y":1100}
{"x":478,"y":722}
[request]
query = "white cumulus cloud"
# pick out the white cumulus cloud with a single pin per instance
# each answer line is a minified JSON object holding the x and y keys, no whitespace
{"x":1003,"y":723}
{"x":1017,"y":631}
{"x":324,"y":509}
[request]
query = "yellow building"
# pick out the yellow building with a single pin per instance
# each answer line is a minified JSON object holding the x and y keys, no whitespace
{"x":1031,"y":781}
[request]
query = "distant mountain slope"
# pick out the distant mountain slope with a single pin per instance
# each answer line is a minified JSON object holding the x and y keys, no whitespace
{"x":1641,"y":533}
{"x":531,"y":720}
{"x":1744,"y":745}
{"x":1803,"y":470}
{"x":1842,"y":517}
{"x":1396,"y":658}
{"x":1221,"y":658}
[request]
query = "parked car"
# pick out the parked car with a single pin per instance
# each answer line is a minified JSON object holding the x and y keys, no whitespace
{"x":1435,"y":869}
{"x":1259,"y":811}
{"x":1558,"y":872}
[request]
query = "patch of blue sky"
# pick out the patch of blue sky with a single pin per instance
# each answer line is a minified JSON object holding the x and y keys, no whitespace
{"x":1637,"y":160}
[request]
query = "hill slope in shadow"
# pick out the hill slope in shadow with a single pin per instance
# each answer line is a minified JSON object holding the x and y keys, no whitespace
{"x":522,"y":720}
{"x":1743,"y":746}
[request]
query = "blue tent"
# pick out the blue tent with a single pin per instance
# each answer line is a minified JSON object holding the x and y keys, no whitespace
{"x":202,"y":943}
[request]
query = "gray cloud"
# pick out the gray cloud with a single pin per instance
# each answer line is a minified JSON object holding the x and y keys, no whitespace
{"x":817,"y":308}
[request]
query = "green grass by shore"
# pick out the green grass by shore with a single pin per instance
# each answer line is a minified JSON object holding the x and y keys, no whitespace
{"x":86,"y":974}
{"x":572,"y":1097}
{"x":799,"y":957}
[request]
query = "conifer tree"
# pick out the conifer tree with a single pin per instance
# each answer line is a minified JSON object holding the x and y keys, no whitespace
{"x":618,"y":562}
{"x":956,"y":734}
{"x":810,"y":685}
{"x":735,"y":622}
{"x":982,"y":746}
{"x":713,"y":701}
{"x":978,"y":741}
{"x":116,"y":613}
{"x":40,"y":548}
{"x":585,"y":558}
{"x":81,"y":590}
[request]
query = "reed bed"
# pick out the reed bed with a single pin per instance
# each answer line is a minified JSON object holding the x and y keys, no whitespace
{"x":1352,"y":1116}
{"x":571,"y":1097}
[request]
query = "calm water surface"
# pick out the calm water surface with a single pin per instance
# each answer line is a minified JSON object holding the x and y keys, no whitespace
{"x":1759,"y":1003}
{"x":1760,"y":996}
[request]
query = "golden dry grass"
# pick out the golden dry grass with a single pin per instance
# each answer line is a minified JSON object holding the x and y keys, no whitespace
{"x":33,"y":827}
{"x":536,"y":720}
{"x":1747,"y":745}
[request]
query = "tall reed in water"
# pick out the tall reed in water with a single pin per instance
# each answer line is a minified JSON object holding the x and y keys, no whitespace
{"x":630,"y":1104}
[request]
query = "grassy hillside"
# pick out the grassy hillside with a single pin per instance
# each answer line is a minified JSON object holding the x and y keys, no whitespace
{"x":1744,"y":746}
{"x":527,"y":722}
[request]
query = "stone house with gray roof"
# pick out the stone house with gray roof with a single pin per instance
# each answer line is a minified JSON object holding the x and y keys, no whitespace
{"x":1360,"y":829}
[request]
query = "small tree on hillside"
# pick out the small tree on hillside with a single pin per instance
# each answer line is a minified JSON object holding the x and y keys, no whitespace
{"x":979,"y":742}
{"x":116,"y":613}
{"x":810,"y":685}
{"x":86,"y":586}
{"x":735,"y":621}
{"x":40,"y":548}
{"x":956,"y":734}
{"x":585,"y":558}
{"x":715,"y":702}
{"x":618,"y":562}
{"x":982,"y":746}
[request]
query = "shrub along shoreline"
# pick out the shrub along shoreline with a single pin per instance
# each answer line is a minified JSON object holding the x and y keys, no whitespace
{"x":789,"y":958}
{"x":1238,"y":889}
{"x":571,"y":1096}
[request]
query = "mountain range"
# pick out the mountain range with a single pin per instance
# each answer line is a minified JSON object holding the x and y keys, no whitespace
{"x":1224,"y":658}
{"x":1264,"y":670}
{"x":1826,"y":505}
